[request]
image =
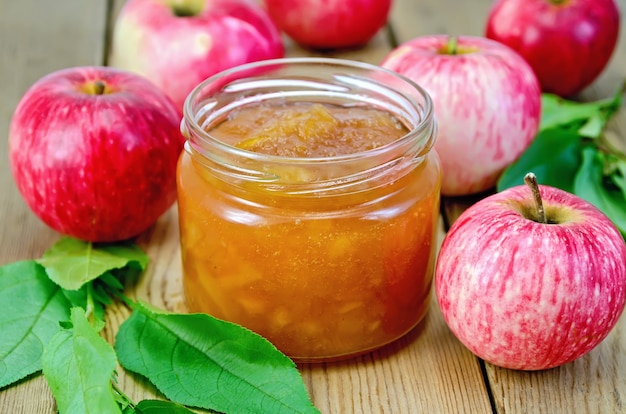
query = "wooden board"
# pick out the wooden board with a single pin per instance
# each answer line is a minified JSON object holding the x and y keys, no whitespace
{"x":595,"y":383}
{"x":36,"y":37}
{"x":426,"y":371}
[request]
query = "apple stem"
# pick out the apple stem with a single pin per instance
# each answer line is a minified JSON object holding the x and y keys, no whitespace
{"x":531,"y":181}
{"x":452,"y":45}
{"x":99,"y":87}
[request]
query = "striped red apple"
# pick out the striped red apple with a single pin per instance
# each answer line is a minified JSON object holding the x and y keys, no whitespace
{"x":531,"y":280}
{"x":179,"y":43}
{"x":487,"y":104}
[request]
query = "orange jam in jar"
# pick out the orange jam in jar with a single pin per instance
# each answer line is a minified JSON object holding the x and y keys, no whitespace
{"x":308,"y":197}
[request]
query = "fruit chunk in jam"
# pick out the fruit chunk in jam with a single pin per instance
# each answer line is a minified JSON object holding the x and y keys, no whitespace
{"x":321,"y":278}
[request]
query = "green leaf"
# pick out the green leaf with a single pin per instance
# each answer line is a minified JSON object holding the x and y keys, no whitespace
{"x":200,"y":361}
{"x":554,"y":157}
{"x":78,"y":365}
{"x":594,"y":126}
{"x":32,"y":307}
{"x":589,"y":184}
{"x":615,"y":170}
{"x":71,"y":263}
{"x":111,"y":281}
{"x":123,"y":401}
{"x":589,"y":118}
{"x":161,"y":407}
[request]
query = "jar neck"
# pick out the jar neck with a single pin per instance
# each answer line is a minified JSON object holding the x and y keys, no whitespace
{"x":326,"y":81}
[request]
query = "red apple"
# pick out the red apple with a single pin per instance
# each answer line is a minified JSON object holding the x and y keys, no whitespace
{"x":330,"y":24}
{"x":93,"y":151}
{"x":529,"y":295}
{"x":179,"y":43}
{"x":487,"y":103}
{"x":567,"y":42}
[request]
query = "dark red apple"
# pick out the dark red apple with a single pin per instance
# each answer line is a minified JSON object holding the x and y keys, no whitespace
{"x":93,"y":151}
{"x":568,"y":43}
{"x":330,"y":24}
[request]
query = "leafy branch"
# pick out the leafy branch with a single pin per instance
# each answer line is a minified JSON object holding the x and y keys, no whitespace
{"x":55,"y":310}
{"x":571,"y":152}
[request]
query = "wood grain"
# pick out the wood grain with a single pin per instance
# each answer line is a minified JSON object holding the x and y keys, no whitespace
{"x":426,"y":371}
{"x":36,"y":37}
{"x":595,"y":383}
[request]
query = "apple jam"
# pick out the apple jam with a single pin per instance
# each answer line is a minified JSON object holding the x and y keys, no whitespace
{"x":308,"y":209}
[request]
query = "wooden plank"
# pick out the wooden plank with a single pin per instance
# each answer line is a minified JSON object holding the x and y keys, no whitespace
{"x":419,"y":373}
{"x":607,"y":84}
{"x":412,"y":18}
{"x":26,"y":54}
{"x":36,"y":38}
{"x":374,"y":52}
{"x":419,"y":18}
{"x":427,"y":371}
{"x":398,"y":378}
{"x":595,"y":383}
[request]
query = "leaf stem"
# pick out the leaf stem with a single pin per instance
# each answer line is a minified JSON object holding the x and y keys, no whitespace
{"x":452,"y":45}
{"x":531,"y":181}
{"x":90,"y":305}
{"x":122,"y":394}
{"x":122,"y":297}
{"x":99,"y":87}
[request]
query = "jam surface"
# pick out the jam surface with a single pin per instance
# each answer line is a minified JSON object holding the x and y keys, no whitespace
{"x":307,"y":130}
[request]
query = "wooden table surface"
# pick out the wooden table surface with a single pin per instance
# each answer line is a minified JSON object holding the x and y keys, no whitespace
{"x":427,"y":371}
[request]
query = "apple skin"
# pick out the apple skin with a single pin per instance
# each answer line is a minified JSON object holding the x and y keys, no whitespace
{"x":178,"y":52}
{"x":530,"y":296}
{"x":331,"y":24}
{"x":487,"y":104}
{"x":98,"y":167}
{"x":567,"y":44}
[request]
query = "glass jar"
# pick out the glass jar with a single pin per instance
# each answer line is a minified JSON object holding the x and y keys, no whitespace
{"x":326,"y":257}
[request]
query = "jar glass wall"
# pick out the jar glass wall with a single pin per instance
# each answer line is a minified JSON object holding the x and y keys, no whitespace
{"x":326,"y":256}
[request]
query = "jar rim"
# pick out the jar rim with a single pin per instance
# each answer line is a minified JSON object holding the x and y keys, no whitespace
{"x":224,"y":78}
